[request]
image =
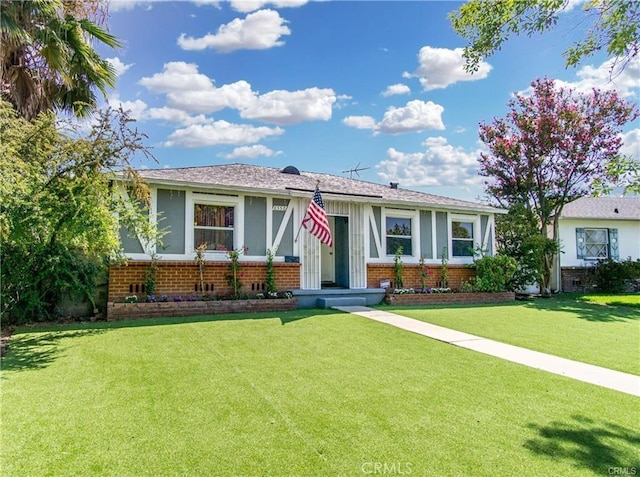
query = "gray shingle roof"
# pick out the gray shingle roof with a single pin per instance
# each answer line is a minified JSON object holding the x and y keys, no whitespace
{"x":618,"y":208}
{"x":269,"y":179}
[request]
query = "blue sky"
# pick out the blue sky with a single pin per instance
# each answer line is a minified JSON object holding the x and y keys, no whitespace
{"x":327,"y":86}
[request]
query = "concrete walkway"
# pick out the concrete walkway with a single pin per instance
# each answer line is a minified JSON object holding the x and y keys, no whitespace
{"x":623,"y":382}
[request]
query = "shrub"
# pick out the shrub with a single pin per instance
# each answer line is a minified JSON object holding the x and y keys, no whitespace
{"x":494,"y":273}
{"x":616,"y":277}
{"x":271,"y":273}
{"x":397,"y":267}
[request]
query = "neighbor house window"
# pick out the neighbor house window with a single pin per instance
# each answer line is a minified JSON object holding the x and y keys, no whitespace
{"x":399,"y":235}
{"x":462,"y":239}
{"x":596,"y":243}
{"x":213,"y":225}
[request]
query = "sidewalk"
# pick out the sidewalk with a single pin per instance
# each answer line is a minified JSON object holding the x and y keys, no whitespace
{"x":623,"y":382}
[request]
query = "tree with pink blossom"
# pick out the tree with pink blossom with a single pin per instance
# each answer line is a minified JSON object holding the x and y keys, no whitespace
{"x":553,"y":146}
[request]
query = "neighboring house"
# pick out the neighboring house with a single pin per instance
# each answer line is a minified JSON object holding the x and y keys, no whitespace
{"x":261,"y":208}
{"x":592,"y":229}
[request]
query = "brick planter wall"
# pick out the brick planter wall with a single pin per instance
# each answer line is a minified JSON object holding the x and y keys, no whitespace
{"x":449,"y":298}
{"x":457,"y":274}
{"x":183,"y":278}
{"x":127,"y":311}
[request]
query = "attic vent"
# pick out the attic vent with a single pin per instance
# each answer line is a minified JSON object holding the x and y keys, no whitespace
{"x":393,"y":185}
{"x":291,"y":170}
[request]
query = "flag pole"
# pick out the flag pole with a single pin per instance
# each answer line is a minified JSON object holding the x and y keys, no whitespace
{"x":305,"y":216}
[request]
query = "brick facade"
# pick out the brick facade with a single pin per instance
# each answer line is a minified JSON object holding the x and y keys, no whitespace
{"x":457,"y":275}
{"x":450,"y":298}
{"x":577,"y":279}
{"x":183,"y":278}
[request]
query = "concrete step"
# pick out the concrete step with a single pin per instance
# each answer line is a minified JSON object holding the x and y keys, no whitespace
{"x":330,"y":302}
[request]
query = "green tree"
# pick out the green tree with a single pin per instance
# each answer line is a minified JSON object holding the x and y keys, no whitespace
{"x":61,"y":212}
{"x":550,"y":149}
{"x":47,"y":60}
{"x":518,"y":236}
{"x":486,"y":25}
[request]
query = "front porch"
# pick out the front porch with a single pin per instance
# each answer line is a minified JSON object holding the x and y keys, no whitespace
{"x":334,"y":296}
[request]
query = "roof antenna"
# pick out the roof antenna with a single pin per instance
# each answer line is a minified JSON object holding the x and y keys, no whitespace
{"x":356,"y":170}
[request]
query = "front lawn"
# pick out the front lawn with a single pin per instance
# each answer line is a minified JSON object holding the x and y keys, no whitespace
{"x":577,"y":327}
{"x":612,"y":300}
{"x":300,"y":393}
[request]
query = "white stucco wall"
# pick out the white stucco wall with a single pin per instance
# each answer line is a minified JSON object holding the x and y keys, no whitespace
{"x":628,"y":238}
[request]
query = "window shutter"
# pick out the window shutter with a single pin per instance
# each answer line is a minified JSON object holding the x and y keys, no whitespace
{"x":581,"y":245}
{"x":614,"y":249}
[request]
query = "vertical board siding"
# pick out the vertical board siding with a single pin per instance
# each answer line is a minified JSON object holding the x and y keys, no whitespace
{"x":375,"y":235}
{"x":171,"y":210}
{"x":285,"y":247}
{"x":333,"y":207}
{"x":426,"y":240}
{"x":310,"y":257}
{"x":442,"y":233}
{"x":357,"y":265}
{"x":255,"y":225}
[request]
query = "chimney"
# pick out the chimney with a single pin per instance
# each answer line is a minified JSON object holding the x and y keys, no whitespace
{"x":393,"y":185}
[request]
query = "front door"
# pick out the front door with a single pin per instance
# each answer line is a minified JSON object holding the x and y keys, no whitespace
{"x":328,"y":258}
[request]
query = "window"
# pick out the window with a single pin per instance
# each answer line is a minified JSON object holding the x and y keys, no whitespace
{"x":462,"y":239}
{"x":213,"y":225}
{"x":596,"y":243}
{"x":399,"y":235}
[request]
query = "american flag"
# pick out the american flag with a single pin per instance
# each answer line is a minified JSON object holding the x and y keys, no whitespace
{"x":315,"y":220}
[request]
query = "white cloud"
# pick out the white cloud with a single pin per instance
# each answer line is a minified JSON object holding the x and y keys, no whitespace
{"x":440,"y":165}
{"x":607,"y":76}
{"x":191,"y":91}
{"x":213,"y":3}
{"x":257,"y":31}
{"x":136,"y":109}
{"x":246,"y":6}
{"x":236,"y":95}
{"x":571,"y":4}
{"x":172,"y":115}
{"x":118,"y":65}
{"x":395,"y":89}
{"x":415,"y":116}
{"x":624,"y":81}
{"x":631,"y":144}
{"x":124,"y":5}
{"x":252,"y":152}
{"x":219,"y":132}
{"x":360,"y":122}
{"x":441,"y":67}
{"x":291,"y":107}
{"x":177,"y":76}
{"x":139,"y":111}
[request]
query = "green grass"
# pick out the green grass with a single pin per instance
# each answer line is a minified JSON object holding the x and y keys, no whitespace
{"x":569,"y":326}
{"x":302,"y":393}
{"x":632,"y":301}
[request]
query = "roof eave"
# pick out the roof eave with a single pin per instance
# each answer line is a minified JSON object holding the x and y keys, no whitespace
{"x":327,"y":195}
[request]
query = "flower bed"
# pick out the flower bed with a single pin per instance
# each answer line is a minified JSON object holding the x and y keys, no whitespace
{"x":448,"y":298}
{"x":126,"y":311}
